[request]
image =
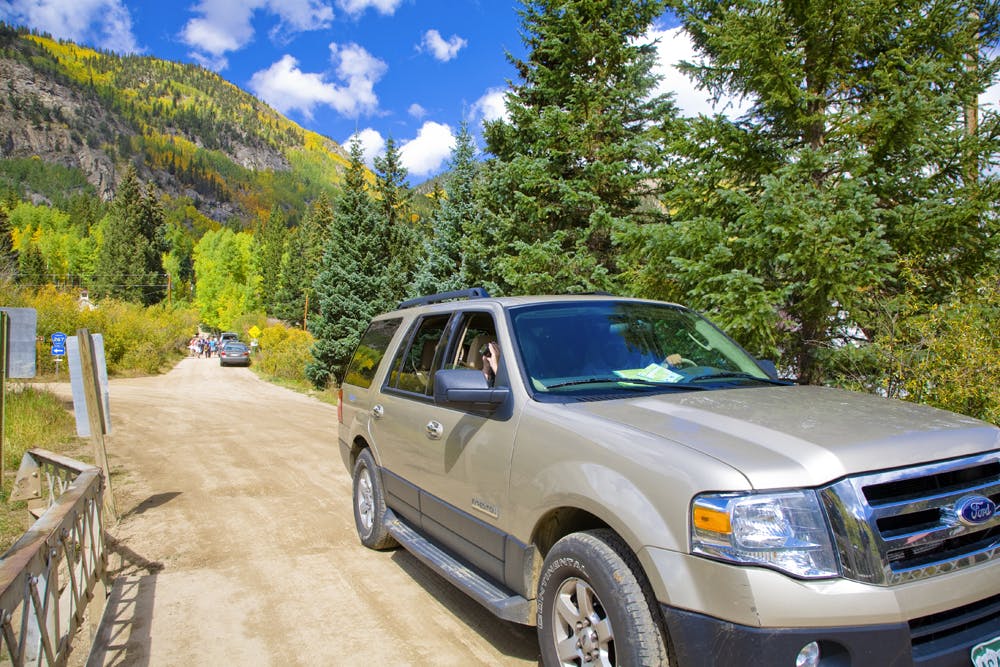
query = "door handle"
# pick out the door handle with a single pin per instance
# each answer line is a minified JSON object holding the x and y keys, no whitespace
{"x":434,"y":430}
{"x":378,"y":411}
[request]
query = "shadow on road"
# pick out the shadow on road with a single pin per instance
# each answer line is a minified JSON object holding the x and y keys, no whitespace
{"x":512,"y":639}
{"x":152,"y":502}
{"x":123,"y":636}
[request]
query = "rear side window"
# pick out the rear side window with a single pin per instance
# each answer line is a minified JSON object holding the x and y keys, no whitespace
{"x":370,"y":351}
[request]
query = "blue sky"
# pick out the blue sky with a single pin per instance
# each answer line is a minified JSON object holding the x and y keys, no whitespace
{"x":412,"y":70}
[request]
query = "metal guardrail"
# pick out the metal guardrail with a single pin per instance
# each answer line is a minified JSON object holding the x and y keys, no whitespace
{"x":48,"y":578}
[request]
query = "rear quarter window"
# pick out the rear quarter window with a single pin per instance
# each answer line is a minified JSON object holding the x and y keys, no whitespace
{"x":371,"y":349}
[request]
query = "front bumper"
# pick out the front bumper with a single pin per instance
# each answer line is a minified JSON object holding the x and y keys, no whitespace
{"x":944,"y":640}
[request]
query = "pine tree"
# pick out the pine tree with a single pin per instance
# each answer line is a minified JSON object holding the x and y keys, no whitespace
{"x":31,"y":267}
{"x":577,"y":155}
{"x":129,"y":262}
{"x":354,"y":282}
{"x":456,"y":250}
{"x":269,"y":247}
{"x":290,"y":294}
{"x":791,"y":223}
{"x":6,"y":244}
{"x":395,"y":201}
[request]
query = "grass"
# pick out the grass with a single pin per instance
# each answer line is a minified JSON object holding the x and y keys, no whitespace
{"x":34,"y":417}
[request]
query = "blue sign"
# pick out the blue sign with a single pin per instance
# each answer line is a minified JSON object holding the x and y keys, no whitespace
{"x":58,"y":350}
{"x":59,"y":338}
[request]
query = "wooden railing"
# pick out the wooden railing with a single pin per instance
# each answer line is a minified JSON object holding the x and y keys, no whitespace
{"x":53,"y":572}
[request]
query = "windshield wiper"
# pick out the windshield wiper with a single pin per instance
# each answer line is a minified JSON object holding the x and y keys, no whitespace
{"x":621,"y":380}
{"x":741,"y":376}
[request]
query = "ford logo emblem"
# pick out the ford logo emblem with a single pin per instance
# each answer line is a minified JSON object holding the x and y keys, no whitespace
{"x":975,"y":510}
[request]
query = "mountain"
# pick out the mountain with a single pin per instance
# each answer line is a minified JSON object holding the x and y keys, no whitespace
{"x":72,"y":119}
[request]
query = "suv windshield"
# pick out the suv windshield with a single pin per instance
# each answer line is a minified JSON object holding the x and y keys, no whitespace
{"x":627,"y":345}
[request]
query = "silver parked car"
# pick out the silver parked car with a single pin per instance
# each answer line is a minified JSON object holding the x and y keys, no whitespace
{"x":234,"y":354}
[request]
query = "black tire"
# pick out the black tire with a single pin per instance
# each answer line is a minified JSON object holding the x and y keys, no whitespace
{"x":369,"y":504}
{"x":594,"y":603}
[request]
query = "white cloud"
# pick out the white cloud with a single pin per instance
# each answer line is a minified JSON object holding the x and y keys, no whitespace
{"x":287,"y":88}
{"x":441,"y":49}
{"x":674,"y":46}
{"x":491,"y":106}
{"x":356,"y":7}
{"x":417,"y":111}
{"x":372,"y":144}
{"x":106,"y":24}
{"x":428,"y":151}
{"x":227,"y":25}
{"x":422,"y":156}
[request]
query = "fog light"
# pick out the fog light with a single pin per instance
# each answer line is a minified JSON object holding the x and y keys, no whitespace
{"x":808,"y":656}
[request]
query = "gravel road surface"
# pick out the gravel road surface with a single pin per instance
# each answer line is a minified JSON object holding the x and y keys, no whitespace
{"x":236,"y":541}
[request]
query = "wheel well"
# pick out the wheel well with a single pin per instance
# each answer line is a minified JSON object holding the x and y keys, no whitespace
{"x":356,"y":447}
{"x":561,"y":522}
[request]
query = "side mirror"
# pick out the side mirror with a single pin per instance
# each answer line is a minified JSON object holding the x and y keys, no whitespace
{"x":467,"y":389}
{"x":768,"y":367}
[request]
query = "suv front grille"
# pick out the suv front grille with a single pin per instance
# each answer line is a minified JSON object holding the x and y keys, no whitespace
{"x":936,"y":633}
{"x":901,"y":525}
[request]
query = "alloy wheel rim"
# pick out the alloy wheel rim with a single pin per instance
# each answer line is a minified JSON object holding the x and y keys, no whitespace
{"x":581,"y":629}
{"x":365,"y":501}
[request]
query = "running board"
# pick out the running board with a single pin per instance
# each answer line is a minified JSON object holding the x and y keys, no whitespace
{"x":499,"y":601}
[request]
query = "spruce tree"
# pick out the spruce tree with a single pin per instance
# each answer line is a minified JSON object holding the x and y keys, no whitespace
{"x":849,"y":170}
{"x":395,"y":202}
{"x":290,"y":293}
{"x":456,"y":250}
{"x":354,"y":282}
{"x":269,"y":247}
{"x":129,"y":262}
{"x":575,"y":159}
{"x":31,"y":267}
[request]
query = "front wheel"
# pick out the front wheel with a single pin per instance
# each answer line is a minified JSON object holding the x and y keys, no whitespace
{"x":369,"y":504}
{"x":594,"y":607}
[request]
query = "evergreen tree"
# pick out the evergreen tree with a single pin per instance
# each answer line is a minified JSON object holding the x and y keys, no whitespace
{"x":31,"y":267}
{"x":269,"y":247}
{"x":129,"y":262}
{"x":395,"y":201}
{"x":7,"y":258}
{"x":301,"y":264}
{"x":576,"y":158}
{"x":454,"y":253}
{"x":791,"y":223}
{"x":354,"y":282}
{"x":294,"y":281}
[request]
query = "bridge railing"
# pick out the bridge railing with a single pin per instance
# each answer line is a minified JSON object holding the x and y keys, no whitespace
{"x":49,"y":576}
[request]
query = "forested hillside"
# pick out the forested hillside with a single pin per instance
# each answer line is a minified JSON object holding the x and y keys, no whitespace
{"x":72,"y":119}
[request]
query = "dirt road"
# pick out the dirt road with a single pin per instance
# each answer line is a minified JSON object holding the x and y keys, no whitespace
{"x":236,"y":543}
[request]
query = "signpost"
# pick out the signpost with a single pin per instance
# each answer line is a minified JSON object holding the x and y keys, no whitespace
{"x":58,"y":349}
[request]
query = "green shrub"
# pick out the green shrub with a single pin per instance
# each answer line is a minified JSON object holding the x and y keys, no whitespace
{"x":284,"y":352}
{"x":137,"y":339}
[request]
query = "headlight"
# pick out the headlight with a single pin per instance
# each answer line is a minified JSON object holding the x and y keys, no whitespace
{"x":785,"y":530}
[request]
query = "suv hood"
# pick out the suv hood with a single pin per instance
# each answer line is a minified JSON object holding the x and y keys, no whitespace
{"x":780,"y":437}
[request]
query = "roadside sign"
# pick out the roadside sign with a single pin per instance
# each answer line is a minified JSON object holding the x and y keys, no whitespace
{"x":58,"y":350}
{"x":58,"y":338}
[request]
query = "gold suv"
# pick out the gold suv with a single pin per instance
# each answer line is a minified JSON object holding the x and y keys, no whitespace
{"x":625,"y":477}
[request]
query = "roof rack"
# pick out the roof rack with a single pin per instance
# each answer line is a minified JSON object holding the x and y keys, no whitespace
{"x":471,"y":293}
